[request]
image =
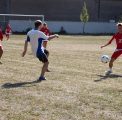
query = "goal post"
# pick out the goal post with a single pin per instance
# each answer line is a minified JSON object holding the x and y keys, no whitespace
{"x":19,"y":22}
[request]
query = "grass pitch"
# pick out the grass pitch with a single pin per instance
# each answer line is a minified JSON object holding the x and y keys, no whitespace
{"x":75,"y":89}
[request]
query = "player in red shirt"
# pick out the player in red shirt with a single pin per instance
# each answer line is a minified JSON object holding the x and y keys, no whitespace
{"x":47,"y":32}
{"x":45,"y":29}
{"x":1,"y":48}
{"x":8,"y":31}
{"x":118,"y":51}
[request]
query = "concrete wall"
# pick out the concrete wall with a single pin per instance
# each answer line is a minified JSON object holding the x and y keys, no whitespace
{"x":69,"y":27}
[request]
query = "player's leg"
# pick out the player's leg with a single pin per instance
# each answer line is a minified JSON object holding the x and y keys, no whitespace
{"x":114,"y":56}
{"x":111,"y":63}
{"x":110,"y":66}
{"x":47,"y":53}
{"x":7,"y":36}
{"x":1,"y":53}
{"x":45,"y":61}
{"x":44,"y":69}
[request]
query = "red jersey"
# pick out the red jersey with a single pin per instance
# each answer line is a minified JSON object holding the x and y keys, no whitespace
{"x":118,"y":38}
{"x":1,"y":35}
{"x":8,"y":29}
{"x":45,"y":30}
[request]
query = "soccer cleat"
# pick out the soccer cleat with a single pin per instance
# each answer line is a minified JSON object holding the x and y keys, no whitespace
{"x":108,"y":72}
{"x":41,"y":78}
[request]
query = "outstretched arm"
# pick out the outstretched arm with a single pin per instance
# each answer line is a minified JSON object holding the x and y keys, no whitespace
{"x":53,"y":36}
{"x":25,"y":48}
{"x":109,"y":42}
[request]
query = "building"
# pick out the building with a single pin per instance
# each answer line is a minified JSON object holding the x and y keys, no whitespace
{"x":103,"y":14}
{"x":64,"y":10}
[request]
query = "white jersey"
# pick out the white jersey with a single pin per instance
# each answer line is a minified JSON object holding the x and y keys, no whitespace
{"x":36,"y":39}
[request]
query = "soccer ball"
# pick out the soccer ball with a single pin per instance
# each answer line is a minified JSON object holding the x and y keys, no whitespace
{"x":105,"y":59}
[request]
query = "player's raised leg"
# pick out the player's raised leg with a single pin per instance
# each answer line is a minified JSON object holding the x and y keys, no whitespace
{"x":115,"y":55}
{"x":44,"y":69}
{"x":43,"y":58}
{"x":110,"y":67}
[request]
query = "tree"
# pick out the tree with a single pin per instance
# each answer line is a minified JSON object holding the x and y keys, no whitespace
{"x":120,"y":18}
{"x":84,"y":16}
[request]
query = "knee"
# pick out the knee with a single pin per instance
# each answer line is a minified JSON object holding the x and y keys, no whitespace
{"x":46,"y":63}
{"x":111,"y":61}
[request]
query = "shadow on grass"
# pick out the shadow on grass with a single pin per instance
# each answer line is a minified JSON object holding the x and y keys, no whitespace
{"x":120,"y":91}
{"x":20,"y":84}
{"x":104,"y":77}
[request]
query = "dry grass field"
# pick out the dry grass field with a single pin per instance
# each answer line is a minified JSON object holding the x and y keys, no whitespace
{"x":75,"y":89}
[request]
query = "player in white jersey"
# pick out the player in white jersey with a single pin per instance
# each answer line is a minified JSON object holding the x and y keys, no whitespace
{"x":36,"y":39}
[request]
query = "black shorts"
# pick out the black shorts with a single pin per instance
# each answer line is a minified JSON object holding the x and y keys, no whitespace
{"x":42,"y":57}
{"x":46,"y":52}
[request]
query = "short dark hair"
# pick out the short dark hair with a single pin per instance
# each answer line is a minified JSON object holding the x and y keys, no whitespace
{"x":119,"y":24}
{"x":44,"y":23}
{"x":37,"y":23}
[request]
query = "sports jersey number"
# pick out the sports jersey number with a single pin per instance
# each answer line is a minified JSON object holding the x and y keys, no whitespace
{"x":120,"y":40}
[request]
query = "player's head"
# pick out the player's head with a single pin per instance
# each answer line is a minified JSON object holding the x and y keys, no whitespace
{"x":8,"y":25}
{"x":38,"y":24}
{"x":119,"y":25}
{"x":44,"y":24}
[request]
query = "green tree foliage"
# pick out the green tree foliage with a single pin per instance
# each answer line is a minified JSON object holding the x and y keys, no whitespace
{"x":84,"y":16}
